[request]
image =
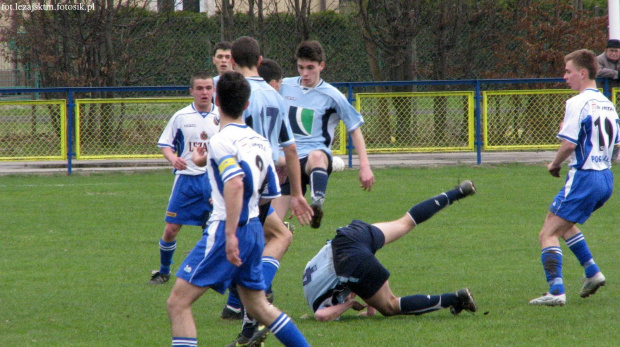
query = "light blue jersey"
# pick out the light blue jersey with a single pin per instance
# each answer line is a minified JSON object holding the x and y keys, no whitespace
{"x":238,"y":150}
{"x":266,"y":114}
{"x":591,"y":123}
{"x":321,"y":285}
{"x":315,"y":112}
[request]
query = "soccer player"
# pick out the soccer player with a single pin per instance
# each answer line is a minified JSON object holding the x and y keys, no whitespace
{"x":221,"y":59}
{"x":188,"y":129}
{"x":271,"y":72}
{"x":589,"y":133}
{"x":314,"y":109}
{"x":266,"y":116}
{"x":242,"y":175}
{"x":346,"y":267}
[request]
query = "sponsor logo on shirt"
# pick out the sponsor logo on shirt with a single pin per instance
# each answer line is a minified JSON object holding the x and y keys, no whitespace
{"x":171,"y":214}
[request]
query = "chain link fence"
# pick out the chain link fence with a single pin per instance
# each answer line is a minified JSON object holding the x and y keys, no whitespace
{"x":33,"y":129}
{"x":523,"y":119}
{"x":417,"y":122}
{"x":122,"y":128}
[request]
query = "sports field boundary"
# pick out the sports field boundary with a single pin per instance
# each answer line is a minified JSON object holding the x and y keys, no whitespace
{"x":376,"y":161}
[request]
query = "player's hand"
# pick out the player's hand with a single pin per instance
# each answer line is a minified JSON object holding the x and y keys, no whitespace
{"x":554,"y":170}
{"x":367,"y":178}
{"x":370,"y":311}
{"x":357,"y":306}
{"x":199,"y":156}
{"x":179,"y":164}
{"x":232,"y":250}
{"x":300,"y":208}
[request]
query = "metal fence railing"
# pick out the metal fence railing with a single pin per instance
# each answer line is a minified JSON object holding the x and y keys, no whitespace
{"x":125,"y":122}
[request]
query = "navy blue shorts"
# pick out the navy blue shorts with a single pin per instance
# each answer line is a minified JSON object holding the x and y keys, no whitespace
{"x":285,"y":187}
{"x":354,"y":249}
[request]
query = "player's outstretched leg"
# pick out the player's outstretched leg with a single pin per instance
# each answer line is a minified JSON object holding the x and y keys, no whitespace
{"x":421,"y":304}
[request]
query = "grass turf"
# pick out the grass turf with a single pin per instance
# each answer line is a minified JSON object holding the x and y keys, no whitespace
{"x":77,"y":251}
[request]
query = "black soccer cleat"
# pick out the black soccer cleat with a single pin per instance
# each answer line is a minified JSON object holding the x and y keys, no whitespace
{"x":232,"y":314}
{"x":467,"y":188}
{"x":318,"y":214}
{"x":466,"y":302}
{"x":158,"y":278}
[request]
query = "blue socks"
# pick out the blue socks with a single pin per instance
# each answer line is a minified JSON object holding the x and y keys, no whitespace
{"x":270,"y":267}
{"x":286,"y":331}
{"x":579,"y":247}
{"x":318,"y":183}
{"x":184,"y":342}
{"x":166,"y":251}
{"x":551,"y":258}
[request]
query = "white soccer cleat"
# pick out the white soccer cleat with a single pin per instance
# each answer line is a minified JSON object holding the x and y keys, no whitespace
{"x":592,"y":284}
{"x":550,"y":300}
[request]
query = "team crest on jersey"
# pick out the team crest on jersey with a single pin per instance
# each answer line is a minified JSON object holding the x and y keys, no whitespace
{"x":204,"y":136}
{"x":301,"y":120}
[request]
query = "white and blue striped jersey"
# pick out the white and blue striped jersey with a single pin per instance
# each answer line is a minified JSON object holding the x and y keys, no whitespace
{"x":239,"y":150}
{"x":591,"y":123}
{"x":321,"y":285}
{"x":315,"y":112}
{"x":266,"y":114}
{"x":186,"y":130}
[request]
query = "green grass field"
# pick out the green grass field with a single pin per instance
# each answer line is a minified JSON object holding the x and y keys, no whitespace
{"x":76,"y":253}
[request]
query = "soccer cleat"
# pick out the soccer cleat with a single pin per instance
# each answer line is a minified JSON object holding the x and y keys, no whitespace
{"x":549,"y":300}
{"x":257,"y":340}
{"x":466,"y":302}
{"x":467,"y":188}
{"x":318,"y":214}
{"x":231,"y":313}
{"x":290,"y":227}
{"x":158,"y":278}
{"x":592,"y":284}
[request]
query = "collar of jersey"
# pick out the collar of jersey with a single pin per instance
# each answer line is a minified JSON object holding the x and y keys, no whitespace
{"x":236,"y":125}
{"x":195,"y":110}
{"x":308,"y":88}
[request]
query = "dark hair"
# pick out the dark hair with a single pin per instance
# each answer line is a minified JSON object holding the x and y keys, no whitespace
{"x":584,"y":59}
{"x":310,"y":50}
{"x":200,"y":75}
{"x":224,"y":45}
{"x":233,"y":92}
{"x":245,"y":52}
{"x":269,"y":70}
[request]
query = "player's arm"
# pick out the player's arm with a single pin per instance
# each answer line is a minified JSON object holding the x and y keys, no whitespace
{"x":331,"y":313}
{"x":565,"y":150}
{"x":367,"y":178}
{"x":233,"y":199}
{"x":176,"y":162}
{"x":299,"y":206}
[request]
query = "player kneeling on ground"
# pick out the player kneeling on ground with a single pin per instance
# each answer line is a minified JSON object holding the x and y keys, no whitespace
{"x":346,"y":266}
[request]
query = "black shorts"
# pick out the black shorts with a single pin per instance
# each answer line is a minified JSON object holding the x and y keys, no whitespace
{"x":354,"y":249}
{"x":285,"y":187}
